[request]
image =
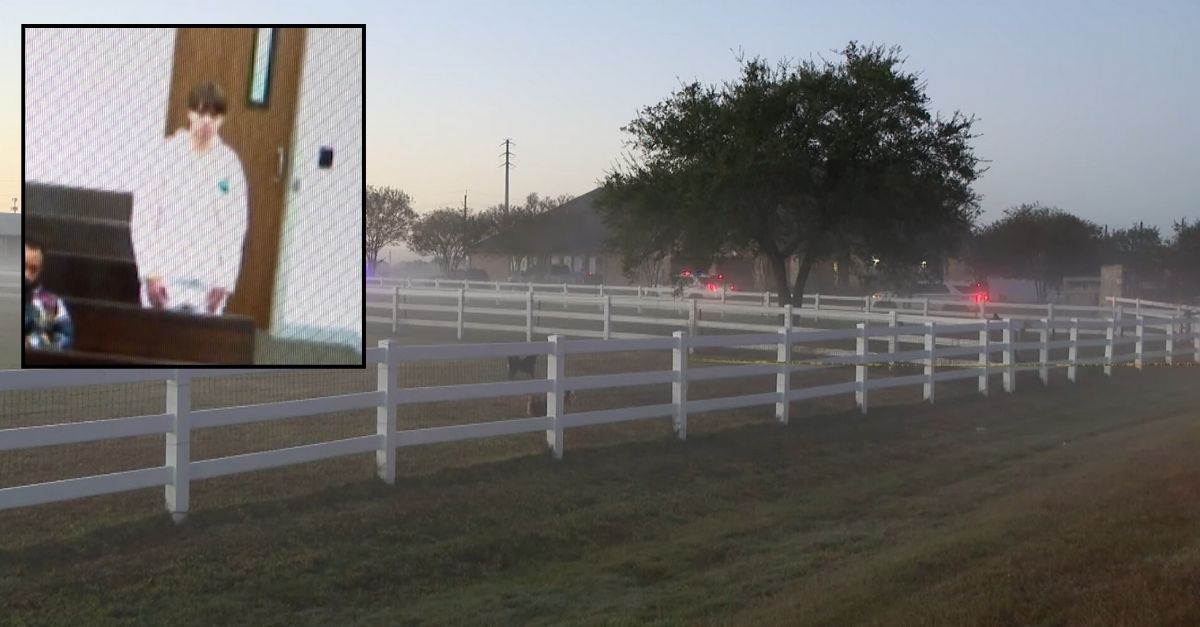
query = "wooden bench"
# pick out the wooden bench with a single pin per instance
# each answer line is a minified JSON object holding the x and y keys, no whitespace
{"x":120,"y":332}
{"x":86,"y":232}
{"x":39,"y":358}
{"x":93,"y":278}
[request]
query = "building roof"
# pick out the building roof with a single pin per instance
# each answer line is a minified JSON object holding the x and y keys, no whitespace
{"x":573,"y":227}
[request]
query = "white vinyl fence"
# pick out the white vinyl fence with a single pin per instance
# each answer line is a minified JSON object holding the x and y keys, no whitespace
{"x":177,"y":421}
{"x":533,"y":314}
{"x":948,"y":306}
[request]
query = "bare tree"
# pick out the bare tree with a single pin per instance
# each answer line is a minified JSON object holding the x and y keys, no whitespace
{"x":390,"y":217}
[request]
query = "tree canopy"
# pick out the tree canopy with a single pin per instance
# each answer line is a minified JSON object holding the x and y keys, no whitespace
{"x":1044,"y":244}
{"x":390,"y":217}
{"x":1139,"y":249}
{"x":447,"y":235}
{"x":1184,"y":259}
{"x":813,"y":160}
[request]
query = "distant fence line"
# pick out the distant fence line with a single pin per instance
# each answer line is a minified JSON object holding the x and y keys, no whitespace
{"x":944,"y":306}
{"x":531,"y":313}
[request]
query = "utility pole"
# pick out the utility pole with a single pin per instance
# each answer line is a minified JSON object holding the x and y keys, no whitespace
{"x":507,"y":165}
{"x":466,"y":258}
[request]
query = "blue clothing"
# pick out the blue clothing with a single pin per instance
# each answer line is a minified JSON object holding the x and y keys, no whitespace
{"x":48,"y":325}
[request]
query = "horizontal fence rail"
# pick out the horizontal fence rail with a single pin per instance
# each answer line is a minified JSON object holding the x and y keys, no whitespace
{"x":532,"y":314}
{"x":944,"y":351}
{"x":947,"y":305}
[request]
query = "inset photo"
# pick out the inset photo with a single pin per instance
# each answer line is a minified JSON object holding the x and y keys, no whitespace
{"x":193,"y":197}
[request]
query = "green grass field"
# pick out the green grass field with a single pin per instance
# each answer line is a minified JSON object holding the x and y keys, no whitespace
{"x":1072,"y":505}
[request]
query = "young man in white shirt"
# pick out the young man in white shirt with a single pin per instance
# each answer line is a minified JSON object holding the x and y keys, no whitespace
{"x":189,"y":221}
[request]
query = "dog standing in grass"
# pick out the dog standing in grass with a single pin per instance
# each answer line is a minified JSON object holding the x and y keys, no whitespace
{"x":526,"y":368}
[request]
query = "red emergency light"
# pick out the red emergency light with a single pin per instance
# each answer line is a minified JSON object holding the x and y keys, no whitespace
{"x":712,"y":287}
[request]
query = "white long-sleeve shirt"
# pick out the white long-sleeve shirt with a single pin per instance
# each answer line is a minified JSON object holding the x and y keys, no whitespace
{"x":189,"y":219}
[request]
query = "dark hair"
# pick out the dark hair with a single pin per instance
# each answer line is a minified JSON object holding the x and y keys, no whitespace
{"x":207,"y":97}
{"x":35,"y":245}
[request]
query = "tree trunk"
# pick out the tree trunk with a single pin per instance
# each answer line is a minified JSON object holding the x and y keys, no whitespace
{"x":843,"y":275}
{"x":779,"y":269}
{"x":806,"y":263}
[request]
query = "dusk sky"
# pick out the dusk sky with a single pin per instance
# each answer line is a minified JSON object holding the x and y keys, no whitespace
{"x":1089,"y":106}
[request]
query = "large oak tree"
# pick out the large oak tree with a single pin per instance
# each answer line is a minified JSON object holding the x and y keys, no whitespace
{"x":813,"y":160}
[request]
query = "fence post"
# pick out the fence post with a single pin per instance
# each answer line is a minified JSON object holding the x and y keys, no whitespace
{"x":1194,"y":327}
{"x":385,"y":414}
{"x":1044,"y":352}
{"x":817,"y":302}
{"x":178,"y":442}
{"x":462,"y":299}
{"x":1110,"y":334}
{"x":437,"y":284}
{"x":1010,"y":379}
{"x":892,"y":322}
{"x":395,"y":309}
{"x":925,"y":307}
{"x":555,"y":370}
{"x":983,"y":309}
{"x":766,"y":299}
{"x":783,"y":379}
{"x":1073,"y":351}
{"x":608,"y":317}
{"x":692,"y":316}
{"x":408,"y":283}
{"x":1120,"y":316}
{"x":930,"y":346}
{"x":1171,"y":340}
{"x":1139,"y":345}
{"x":985,"y":357}
{"x":529,"y":316}
{"x":860,"y":367}
{"x":867,"y":303}
{"x":639,"y":305}
{"x":679,"y":386}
